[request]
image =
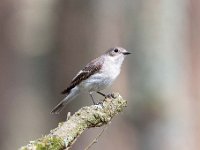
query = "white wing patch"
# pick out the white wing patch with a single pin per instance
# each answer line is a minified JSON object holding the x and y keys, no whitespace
{"x":79,"y":74}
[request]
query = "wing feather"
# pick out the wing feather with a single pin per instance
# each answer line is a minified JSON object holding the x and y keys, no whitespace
{"x":91,"y":68}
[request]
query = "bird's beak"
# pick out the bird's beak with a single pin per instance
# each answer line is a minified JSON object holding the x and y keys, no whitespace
{"x":126,"y":53}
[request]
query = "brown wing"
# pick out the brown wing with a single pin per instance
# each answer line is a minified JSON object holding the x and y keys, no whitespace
{"x":91,"y":68}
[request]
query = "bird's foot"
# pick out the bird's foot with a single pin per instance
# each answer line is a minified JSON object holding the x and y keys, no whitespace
{"x":99,"y":105}
{"x":111,"y":95}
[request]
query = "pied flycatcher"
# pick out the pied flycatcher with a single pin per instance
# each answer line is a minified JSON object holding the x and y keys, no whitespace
{"x":95,"y":76}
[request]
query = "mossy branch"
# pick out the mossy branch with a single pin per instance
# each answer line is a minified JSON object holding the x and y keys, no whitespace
{"x":67,"y":132}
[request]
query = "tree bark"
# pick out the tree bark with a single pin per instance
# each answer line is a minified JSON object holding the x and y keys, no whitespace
{"x":87,"y":117}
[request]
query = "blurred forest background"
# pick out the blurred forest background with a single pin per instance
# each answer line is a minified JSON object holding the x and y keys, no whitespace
{"x":44,"y":43}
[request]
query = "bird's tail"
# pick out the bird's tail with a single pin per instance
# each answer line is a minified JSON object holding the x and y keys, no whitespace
{"x":59,"y":107}
{"x":73,"y":93}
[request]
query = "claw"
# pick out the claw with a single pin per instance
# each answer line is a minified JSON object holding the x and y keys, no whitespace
{"x":111,"y":95}
{"x":99,"y":105}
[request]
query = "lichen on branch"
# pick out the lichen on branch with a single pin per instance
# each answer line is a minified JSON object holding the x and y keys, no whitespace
{"x":87,"y":117}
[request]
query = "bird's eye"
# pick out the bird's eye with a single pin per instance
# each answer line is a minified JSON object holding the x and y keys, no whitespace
{"x":116,"y":50}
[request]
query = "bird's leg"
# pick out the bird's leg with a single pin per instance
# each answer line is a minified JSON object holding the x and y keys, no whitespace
{"x":92,"y":98}
{"x":101,"y":94}
{"x":106,"y":96}
{"x":110,"y":95}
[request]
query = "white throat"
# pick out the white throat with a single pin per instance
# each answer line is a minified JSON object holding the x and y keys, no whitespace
{"x":112,"y":66}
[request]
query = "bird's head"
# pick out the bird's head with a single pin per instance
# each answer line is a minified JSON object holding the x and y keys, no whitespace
{"x":117,"y":54}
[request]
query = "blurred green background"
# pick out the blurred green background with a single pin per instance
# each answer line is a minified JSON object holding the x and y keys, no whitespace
{"x":44,"y":43}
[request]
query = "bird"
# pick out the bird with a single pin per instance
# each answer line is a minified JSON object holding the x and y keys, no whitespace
{"x":95,"y":76}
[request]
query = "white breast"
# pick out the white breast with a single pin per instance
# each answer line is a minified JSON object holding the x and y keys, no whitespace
{"x":111,"y":70}
{"x":105,"y":77}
